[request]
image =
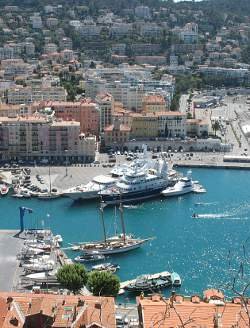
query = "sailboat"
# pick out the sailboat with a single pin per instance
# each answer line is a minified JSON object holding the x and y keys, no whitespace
{"x":113,"y":245}
{"x":51,"y":194}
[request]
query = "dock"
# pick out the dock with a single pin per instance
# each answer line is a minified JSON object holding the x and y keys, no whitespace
{"x":12,"y":277}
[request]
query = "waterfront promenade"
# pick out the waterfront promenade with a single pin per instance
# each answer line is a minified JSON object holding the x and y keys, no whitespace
{"x":10,"y":246}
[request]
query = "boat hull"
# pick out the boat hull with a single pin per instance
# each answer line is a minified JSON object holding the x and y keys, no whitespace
{"x":112,"y":251}
{"x":132,"y":197}
{"x":82,"y":195}
{"x":170,"y":193}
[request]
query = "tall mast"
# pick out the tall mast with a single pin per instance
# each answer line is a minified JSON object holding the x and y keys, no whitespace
{"x":122,"y":222}
{"x":102,"y":205}
{"x":49,"y":181}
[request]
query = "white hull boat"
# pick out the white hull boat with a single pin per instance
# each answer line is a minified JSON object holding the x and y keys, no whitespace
{"x":91,"y":189}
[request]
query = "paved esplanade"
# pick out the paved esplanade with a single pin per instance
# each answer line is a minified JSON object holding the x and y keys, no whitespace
{"x":10,"y":246}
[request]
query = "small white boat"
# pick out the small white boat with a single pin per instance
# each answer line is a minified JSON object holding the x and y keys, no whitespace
{"x":175,"y":279}
{"x":95,"y":256}
{"x":199,"y":189}
{"x":109,"y":267}
{"x":183,"y":186}
{"x":42,"y":276}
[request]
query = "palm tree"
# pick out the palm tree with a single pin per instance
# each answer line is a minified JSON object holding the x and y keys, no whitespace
{"x":215,"y":127}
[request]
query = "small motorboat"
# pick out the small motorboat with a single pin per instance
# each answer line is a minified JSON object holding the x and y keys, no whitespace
{"x":94,"y":257}
{"x":199,"y":189}
{"x":4,"y":190}
{"x":175,"y":279}
{"x":106,"y":267}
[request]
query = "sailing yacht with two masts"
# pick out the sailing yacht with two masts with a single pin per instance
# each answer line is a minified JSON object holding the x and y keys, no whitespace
{"x":111,"y":245}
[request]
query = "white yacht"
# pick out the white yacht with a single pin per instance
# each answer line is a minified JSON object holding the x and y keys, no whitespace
{"x":138,"y":183}
{"x":91,"y":189}
{"x":183,"y":186}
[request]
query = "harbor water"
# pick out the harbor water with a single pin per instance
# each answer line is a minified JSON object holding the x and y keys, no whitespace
{"x":200,"y":249}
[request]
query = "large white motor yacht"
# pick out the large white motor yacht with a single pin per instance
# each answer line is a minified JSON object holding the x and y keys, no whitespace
{"x":91,"y":189}
{"x":183,"y":186}
{"x":137,"y":184}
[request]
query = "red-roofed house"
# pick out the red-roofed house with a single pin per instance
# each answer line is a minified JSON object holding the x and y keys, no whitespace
{"x":57,"y":311}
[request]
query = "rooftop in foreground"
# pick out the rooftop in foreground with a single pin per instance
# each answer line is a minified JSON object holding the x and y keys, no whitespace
{"x":211,"y":311}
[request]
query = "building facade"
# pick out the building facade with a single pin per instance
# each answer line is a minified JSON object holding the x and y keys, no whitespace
{"x":38,"y":137}
{"x":86,"y":112}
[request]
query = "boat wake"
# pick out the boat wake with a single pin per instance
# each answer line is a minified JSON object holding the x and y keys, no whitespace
{"x":218,"y":217}
{"x":205,"y":204}
{"x":213,"y":216}
{"x":131,"y":207}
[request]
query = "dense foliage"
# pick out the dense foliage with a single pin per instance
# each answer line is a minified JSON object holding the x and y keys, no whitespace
{"x":103,"y":283}
{"x":72,"y":276}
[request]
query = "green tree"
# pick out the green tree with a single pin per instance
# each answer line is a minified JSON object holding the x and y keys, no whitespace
{"x":103,"y":283}
{"x":72,"y":276}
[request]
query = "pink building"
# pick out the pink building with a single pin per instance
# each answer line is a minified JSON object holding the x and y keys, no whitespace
{"x":86,"y":112}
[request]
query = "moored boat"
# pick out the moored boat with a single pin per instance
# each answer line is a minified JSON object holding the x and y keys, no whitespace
{"x":109,"y":267}
{"x":175,"y":279}
{"x":113,"y":245}
{"x":89,"y":257}
{"x":146,"y":284}
{"x":138,"y":183}
{"x":183,"y":186}
{"x":91,"y":189}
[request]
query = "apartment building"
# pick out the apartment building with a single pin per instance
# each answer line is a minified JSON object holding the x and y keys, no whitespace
{"x":27,"y":95}
{"x":105,"y":103}
{"x":50,"y":48}
{"x":145,"y":126}
{"x":121,"y":29}
{"x":197,"y":128}
{"x":152,"y":103}
{"x":116,"y":135}
{"x":7,"y":110}
{"x":142,"y":12}
{"x":85,"y":112}
{"x":36,"y":21}
{"x":37,"y":137}
{"x":158,"y":124}
{"x":16,"y":67}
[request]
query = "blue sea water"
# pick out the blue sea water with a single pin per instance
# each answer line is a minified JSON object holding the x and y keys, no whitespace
{"x":200,"y":250}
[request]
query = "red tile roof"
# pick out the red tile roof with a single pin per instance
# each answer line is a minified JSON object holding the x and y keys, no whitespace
{"x":63,"y":310}
{"x":188,"y":313}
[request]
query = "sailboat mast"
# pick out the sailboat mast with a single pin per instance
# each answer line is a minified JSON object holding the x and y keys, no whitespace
{"x":49,"y":181}
{"x":102,"y":205}
{"x":122,"y":222}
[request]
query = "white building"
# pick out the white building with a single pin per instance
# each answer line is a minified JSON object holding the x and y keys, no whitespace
{"x":142,"y":12}
{"x":27,"y":95}
{"x":36,"y":21}
{"x":50,"y":48}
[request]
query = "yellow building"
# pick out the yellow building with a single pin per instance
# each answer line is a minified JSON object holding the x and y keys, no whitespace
{"x":144,"y":125}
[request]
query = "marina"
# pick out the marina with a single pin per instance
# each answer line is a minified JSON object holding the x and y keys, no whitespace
{"x":196,"y":249}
